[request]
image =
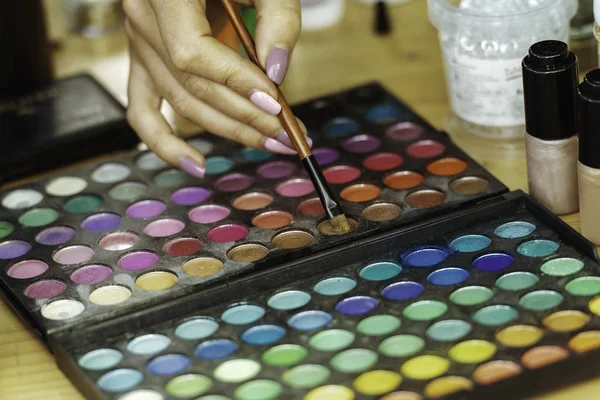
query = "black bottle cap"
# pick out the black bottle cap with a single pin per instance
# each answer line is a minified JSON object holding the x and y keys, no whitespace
{"x":550,"y":77}
{"x":589,"y":120}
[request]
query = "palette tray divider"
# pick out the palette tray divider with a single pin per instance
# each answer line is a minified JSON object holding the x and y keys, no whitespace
{"x":256,"y":279}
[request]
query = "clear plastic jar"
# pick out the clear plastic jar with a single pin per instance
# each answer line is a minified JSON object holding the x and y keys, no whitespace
{"x":483,"y":44}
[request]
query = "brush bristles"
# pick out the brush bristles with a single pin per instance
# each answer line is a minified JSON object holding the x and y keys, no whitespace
{"x":340,"y":224}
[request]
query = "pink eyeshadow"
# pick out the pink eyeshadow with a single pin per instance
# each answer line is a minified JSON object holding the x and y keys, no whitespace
{"x":425,"y":149}
{"x":137,"y":260}
{"x":73,"y":255}
{"x":27,"y":269}
{"x":45,"y":289}
{"x":164,"y":227}
{"x":295,"y":188}
{"x":228,"y":233}
{"x":91,"y":274}
{"x":208,"y":214}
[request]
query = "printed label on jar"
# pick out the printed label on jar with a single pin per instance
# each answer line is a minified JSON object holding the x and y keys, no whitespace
{"x":486,"y":92}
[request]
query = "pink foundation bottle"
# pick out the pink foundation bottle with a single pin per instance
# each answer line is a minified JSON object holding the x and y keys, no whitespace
{"x":588,"y":167}
{"x":550,"y":87}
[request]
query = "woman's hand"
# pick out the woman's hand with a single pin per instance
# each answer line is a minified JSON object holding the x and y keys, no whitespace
{"x":175,"y":57}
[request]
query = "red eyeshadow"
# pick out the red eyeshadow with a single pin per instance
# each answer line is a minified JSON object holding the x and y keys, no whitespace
{"x":425,"y":149}
{"x":383,"y":161}
{"x":182,"y":246}
{"x":341,"y":174}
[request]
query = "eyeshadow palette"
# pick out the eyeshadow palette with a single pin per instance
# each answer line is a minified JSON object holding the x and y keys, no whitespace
{"x":495,"y":302}
{"x":111,"y":238}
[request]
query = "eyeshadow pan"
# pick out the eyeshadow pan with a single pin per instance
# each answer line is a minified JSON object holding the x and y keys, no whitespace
{"x":425,"y":199}
{"x":6,"y":228}
{"x":541,"y":300}
{"x":331,"y":340}
{"x":146,"y":209}
{"x":128,"y":191}
{"x":142,"y":395}
{"x":425,"y":149}
{"x":543,"y":355}
{"x":330,"y":392}
{"x":306,"y":376}
{"x":164,"y":227}
{"x":148,"y":344}
{"x":401,"y":346}
{"x":45,"y":289}
{"x":519,"y":336}
{"x":470,"y":243}
{"x":197,"y":328}
{"x":360,"y":193}
{"x":272,"y":219}
{"x":234,"y":182}
{"x":402,"y":396}
{"x":110,"y":173}
{"x":182,"y":246}
{"x":326,"y":228}
{"x":27,"y":269}
{"x":203,"y":266}
{"x":404,"y":131}
{"x":109,"y":295}
{"x":311,"y":207}
{"x":380,"y":271}
{"x":357,"y":305}
{"x":227,"y":233}
{"x":136,"y":260}
{"x":378,"y":325}
{"x":235,"y":371}
{"x":566,"y":321}
{"x":403,"y":180}
{"x":170,"y":178}
{"x":341,"y":126}
{"x":289,"y":300}
{"x":377,"y":382}
{"x":447,"y":167}
{"x":156,"y":280}
{"x":91,"y":274}
{"x":537,"y":248}
{"x":117,"y":241}
{"x":261,"y":389}
{"x":22,"y":198}
{"x":354,"y":360}
{"x":425,"y":310}
{"x":208,"y":214}
{"x":383,"y":113}
{"x":341,"y":174}
{"x":447,"y":385}
{"x":425,"y":256}
{"x":495,"y":315}
{"x":190,"y":196}
{"x":495,"y":371}
{"x":295,"y":188}
{"x":203,"y":146}
{"x":515,"y":281}
{"x":473,"y":295}
{"x":335,"y":286}
{"x":39,"y":217}
{"x":216,"y":349}
{"x":56,"y":235}
{"x":13,"y":249}
{"x":187,"y":386}
{"x":255,"y":155}
{"x":252,"y":201}
{"x":292,"y":239}
{"x":262,"y":335}
{"x":401,"y":291}
{"x":472,"y":351}
{"x":469,"y":185}
{"x":71,"y":255}
{"x":168,"y":365}
{"x":584,"y":286}
{"x":100,"y":359}
{"x":242,"y":314}
{"x":585,"y":341}
{"x":309,"y":320}
{"x":250,"y":252}
{"x":362,"y":144}
{"x":448,"y":276}
{"x":325,"y":155}
{"x":150,"y":162}
{"x":425,"y":367}
{"x":101,"y":222}
{"x":562,"y":266}
{"x":120,"y":380}
{"x":513,"y":230}
{"x":62,"y":309}
{"x":276,"y":169}
{"x":66,"y":186}
{"x":448,"y":330}
{"x":493,"y":261}
{"x":383,"y":161}
{"x":218,"y":165}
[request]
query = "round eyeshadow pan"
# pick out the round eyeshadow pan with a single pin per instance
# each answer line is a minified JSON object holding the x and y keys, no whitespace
{"x":447,"y":167}
{"x":495,"y":315}
{"x":45,"y":289}
{"x":326,"y":228}
{"x":289,"y":300}
{"x":120,"y":380}
{"x":309,"y":320}
{"x":110,"y":295}
{"x":250,"y":252}
{"x":341,"y":174}
{"x":330,"y":392}
{"x":341,"y":126}
{"x":61,"y":310}
{"x":101,"y":222}
{"x":203,"y":146}
{"x":447,"y":385}
{"x":377,"y":382}
{"x":190,"y":196}
{"x":493,"y":261}
{"x":403,"y":180}
{"x":187,"y":386}
{"x":6,"y":228}
{"x":448,"y":330}
{"x":243,"y":314}
{"x":469,"y":185}
{"x":541,"y":300}
{"x":362,"y":144}
{"x":164,"y":227}
{"x":425,"y":149}
{"x":71,"y":255}
{"x":383,"y":113}
{"x":128,"y":191}
{"x":335,"y":286}
{"x":216,"y":349}
{"x":331,"y":340}
{"x":584,"y":286}
{"x":252,"y":201}
{"x":276,"y":169}
{"x":537,"y":248}
{"x":357,"y":305}
{"x":91,"y":274}
{"x":404,"y":131}
{"x":562,"y":266}
{"x":66,"y":186}
{"x":100,"y":359}
{"x":381,"y":212}
{"x":312,"y":207}
{"x":360,"y":193}
{"x":110,"y":173}
{"x":142,"y":395}
{"x":425,"y":367}
{"x":514,"y":230}
{"x":470,"y":243}
{"x":543,"y":356}
{"x":425,"y":256}
{"x":137,"y":260}
{"x":272,"y":219}
{"x":182,"y":246}
{"x":495,"y":371}
{"x":13,"y":249}
{"x":156,"y":280}
{"x":146,"y":209}
{"x":448,"y":276}
{"x":425,"y":199}
{"x":295,"y":188}
{"x":202,"y":266}
{"x":261,"y":389}
{"x":263,"y":335}
{"x":239,"y":370}
{"x":292,"y":239}
{"x":471,"y":295}
{"x":383,"y":161}
{"x":38,"y":217}
{"x":472,"y":351}
{"x":22,"y":198}
{"x":208,"y":214}
{"x":354,"y":360}
{"x":27,"y":269}
{"x":255,"y":155}
{"x":306,"y":376}
{"x":227,"y":233}
{"x":519,"y":336}
{"x":234,"y":182}
{"x":425,"y":310}
{"x":56,"y":235}
{"x":325,"y":156}
{"x":150,"y":162}
{"x":378,"y":325}
{"x":218,"y":165}
{"x":196,"y":328}
{"x":515,"y":281}
{"x":401,"y":291}
{"x":380,"y":271}
{"x":147,"y":345}
{"x":585,"y":341}
{"x":168,"y":365}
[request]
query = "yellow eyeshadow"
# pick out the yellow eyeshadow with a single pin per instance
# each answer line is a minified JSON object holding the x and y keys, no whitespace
{"x":425,"y":367}
{"x":447,"y":385}
{"x":519,"y":336}
{"x":378,"y":382}
{"x":472,"y":351}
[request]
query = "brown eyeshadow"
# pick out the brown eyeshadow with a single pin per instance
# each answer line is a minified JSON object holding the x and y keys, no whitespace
{"x":250,"y":252}
{"x":292,"y":239}
{"x":326,"y":229}
{"x":312,"y":207}
{"x":252,"y":201}
{"x":403,"y":180}
{"x":272,"y":219}
{"x":382,"y":212}
{"x":203,"y":266}
{"x":495,"y":371}
{"x":425,"y":199}
{"x":543,"y":355}
{"x":360,"y":193}
{"x":469,"y":185}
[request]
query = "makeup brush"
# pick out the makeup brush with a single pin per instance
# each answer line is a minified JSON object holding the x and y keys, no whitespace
{"x":338,"y":220}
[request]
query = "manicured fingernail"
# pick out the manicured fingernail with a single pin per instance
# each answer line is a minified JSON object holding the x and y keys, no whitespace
{"x":277,"y":64}
{"x":277,"y":147}
{"x":189,"y":166}
{"x":265,"y":102}
{"x":285,"y":139}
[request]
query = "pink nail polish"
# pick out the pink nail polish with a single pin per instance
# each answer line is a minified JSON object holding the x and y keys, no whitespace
{"x":189,"y":166}
{"x":277,"y":147}
{"x":284,"y":138}
{"x":277,"y":64}
{"x":265,"y":102}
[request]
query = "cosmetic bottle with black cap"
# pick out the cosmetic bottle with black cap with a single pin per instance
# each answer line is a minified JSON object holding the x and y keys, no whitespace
{"x":550,"y":78}
{"x":588,"y":167}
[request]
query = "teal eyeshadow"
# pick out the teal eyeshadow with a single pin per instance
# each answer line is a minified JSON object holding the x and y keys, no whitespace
{"x":289,"y":300}
{"x":335,"y":286}
{"x":218,"y":165}
{"x":470,"y":243}
{"x":98,"y":360}
{"x":538,"y":248}
{"x":449,"y":330}
{"x":541,"y":300}
{"x":515,"y":281}
{"x":243,"y":314}
{"x":120,"y":380}
{"x":195,"y":329}
{"x":380,"y":271}
{"x":513,"y":230}
{"x":495,"y":315}
{"x":255,"y":155}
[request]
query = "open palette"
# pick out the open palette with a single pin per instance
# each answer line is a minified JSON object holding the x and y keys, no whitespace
{"x":150,"y":284}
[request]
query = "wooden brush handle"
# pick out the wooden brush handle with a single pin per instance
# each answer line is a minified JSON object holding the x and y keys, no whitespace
{"x":286,"y":116}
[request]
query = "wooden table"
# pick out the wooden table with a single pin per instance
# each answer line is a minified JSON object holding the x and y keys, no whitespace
{"x":408,"y":62}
